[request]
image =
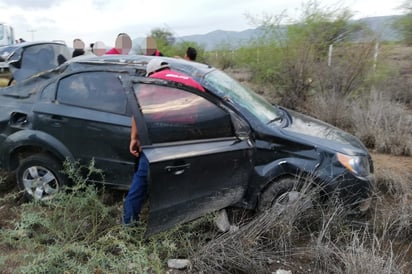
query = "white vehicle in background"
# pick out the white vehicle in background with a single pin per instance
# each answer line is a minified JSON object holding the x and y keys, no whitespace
{"x":6,"y":35}
{"x":6,"y":39}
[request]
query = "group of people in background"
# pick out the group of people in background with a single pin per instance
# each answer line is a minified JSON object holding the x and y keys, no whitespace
{"x":20,"y":40}
{"x":123,"y":45}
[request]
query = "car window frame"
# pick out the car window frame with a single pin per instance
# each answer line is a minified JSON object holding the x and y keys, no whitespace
{"x":185,"y":124}
{"x":94,"y":105}
{"x":241,"y":128}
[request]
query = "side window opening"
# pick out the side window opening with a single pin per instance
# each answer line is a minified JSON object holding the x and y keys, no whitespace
{"x":172,"y":114}
{"x":95,"y":90}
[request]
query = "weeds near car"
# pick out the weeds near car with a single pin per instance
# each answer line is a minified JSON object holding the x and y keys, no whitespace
{"x":306,"y":239}
{"x":79,"y":232}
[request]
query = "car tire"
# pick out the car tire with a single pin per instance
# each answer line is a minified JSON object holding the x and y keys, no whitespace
{"x":277,"y":192}
{"x":40,"y":177}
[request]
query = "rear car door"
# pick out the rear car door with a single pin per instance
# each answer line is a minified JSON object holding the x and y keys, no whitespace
{"x":87,"y":113}
{"x":199,"y":162}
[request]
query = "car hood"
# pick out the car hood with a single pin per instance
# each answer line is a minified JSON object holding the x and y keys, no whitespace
{"x":321,"y":133}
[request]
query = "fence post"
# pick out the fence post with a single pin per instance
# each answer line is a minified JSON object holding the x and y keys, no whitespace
{"x":375,"y":56}
{"x":257,"y":55}
{"x":330,"y":55}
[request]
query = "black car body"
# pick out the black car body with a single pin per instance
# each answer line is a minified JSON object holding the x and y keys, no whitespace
{"x":207,"y":150}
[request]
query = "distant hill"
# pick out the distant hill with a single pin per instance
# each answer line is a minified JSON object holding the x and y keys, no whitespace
{"x":380,"y":25}
{"x":214,"y":39}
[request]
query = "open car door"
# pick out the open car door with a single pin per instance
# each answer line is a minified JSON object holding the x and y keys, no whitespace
{"x":200,"y":160}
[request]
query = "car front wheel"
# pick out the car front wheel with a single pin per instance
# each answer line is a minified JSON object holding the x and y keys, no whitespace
{"x":40,"y":177}
{"x":283,"y":191}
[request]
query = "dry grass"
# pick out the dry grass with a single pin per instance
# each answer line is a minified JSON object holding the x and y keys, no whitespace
{"x":383,"y":124}
{"x":380,"y":122}
{"x":331,"y":108}
{"x":266,"y":239}
{"x":319,"y":239}
{"x":4,"y":82}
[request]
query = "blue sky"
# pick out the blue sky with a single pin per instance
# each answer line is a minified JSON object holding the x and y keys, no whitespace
{"x":102,"y":20}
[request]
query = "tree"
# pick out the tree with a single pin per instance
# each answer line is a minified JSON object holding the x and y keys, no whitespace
{"x":163,"y":36}
{"x":404,"y":23}
{"x":293,"y":57}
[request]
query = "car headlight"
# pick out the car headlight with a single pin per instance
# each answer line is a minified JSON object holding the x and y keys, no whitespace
{"x":358,"y":165}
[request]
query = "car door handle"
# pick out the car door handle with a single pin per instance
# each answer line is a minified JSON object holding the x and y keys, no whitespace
{"x":56,"y":120}
{"x":177,"y":170}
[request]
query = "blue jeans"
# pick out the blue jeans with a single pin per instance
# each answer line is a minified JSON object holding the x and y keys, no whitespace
{"x":137,"y":192}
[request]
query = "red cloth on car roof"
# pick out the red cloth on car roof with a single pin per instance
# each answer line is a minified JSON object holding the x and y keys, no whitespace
{"x":171,"y":75}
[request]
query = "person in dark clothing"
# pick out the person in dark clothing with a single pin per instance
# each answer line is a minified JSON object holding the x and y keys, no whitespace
{"x":191,"y":54}
{"x":78,"y":46}
{"x":78,"y":52}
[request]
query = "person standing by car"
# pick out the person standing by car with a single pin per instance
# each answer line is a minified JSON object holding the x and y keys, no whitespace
{"x":123,"y":45}
{"x":149,"y":47}
{"x":191,"y":54}
{"x":78,"y":47}
{"x":156,"y":68}
{"x":136,"y":195}
{"x":99,"y":48}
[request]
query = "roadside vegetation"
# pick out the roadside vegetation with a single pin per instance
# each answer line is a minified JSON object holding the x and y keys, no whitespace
{"x":335,"y":70}
{"x":80,"y":232}
{"x":313,"y":66}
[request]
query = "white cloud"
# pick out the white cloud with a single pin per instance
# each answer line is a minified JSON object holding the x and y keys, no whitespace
{"x":30,"y":4}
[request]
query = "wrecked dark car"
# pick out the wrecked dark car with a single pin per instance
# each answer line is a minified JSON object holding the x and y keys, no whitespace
{"x":5,"y":75}
{"x":29,"y":58}
{"x":208,"y":150}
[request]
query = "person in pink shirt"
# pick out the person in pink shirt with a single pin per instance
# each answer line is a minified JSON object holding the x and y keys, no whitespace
{"x":123,"y":45}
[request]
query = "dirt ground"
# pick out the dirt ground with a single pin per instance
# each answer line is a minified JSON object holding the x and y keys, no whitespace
{"x":401,"y":165}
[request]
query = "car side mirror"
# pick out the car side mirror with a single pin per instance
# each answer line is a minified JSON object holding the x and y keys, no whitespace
{"x":241,"y":128}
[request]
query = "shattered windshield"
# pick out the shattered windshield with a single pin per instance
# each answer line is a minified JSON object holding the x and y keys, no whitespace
{"x":226,"y":87}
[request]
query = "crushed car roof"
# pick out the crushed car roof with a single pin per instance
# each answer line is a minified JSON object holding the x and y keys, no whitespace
{"x":141,"y":61}
{"x":110,"y":62}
